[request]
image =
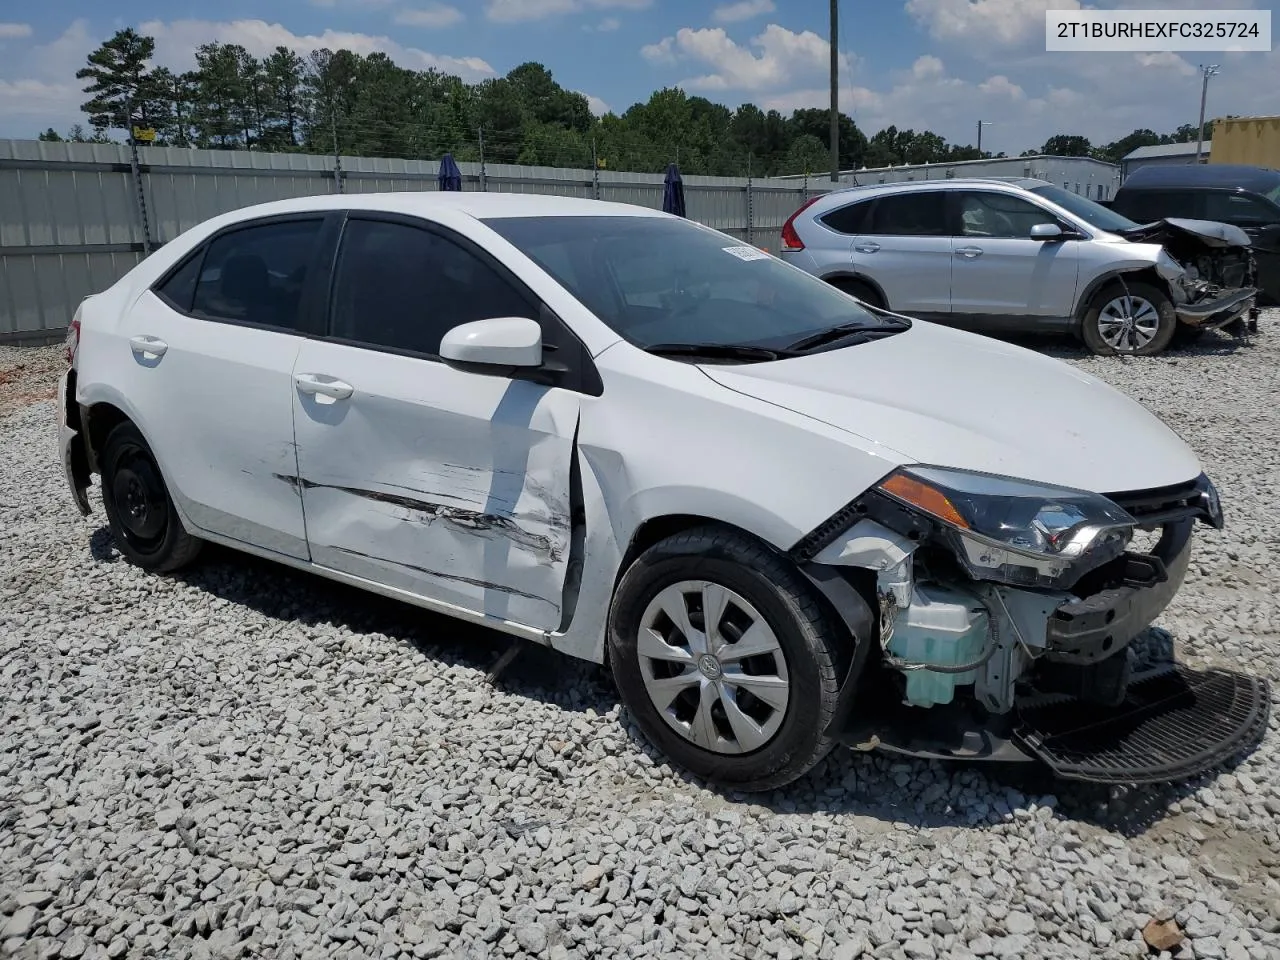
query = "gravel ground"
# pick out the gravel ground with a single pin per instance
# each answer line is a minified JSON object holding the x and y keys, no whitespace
{"x":249,"y":762}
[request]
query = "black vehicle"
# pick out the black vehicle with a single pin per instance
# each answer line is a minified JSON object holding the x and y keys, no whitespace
{"x":1246,"y":197}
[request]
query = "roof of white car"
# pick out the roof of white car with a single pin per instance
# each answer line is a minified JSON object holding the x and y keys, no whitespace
{"x":479,"y":205}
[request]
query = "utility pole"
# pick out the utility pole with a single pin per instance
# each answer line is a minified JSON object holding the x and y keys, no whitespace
{"x":981,"y":124}
{"x":136,"y":172}
{"x":337,"y":158}
{"x":835,"y":91}
{"x":1208,"y":72}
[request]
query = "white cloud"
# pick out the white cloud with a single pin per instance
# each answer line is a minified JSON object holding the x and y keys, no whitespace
{"x":14,"y":31}
{"x":433,"y":15}
{"x":176,"y":43}
{"x":38,"y":87}
{"x":987,"y":22}
{"x":927,"y":67}
{"x":742,"y":10}
{"x":607,"y":25}
{"x":783,"y":56}
{"x":598,"y":107}
{"x":520,"y":11}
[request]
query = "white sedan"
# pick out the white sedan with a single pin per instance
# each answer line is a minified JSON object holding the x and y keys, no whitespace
{"x":782,"y":518}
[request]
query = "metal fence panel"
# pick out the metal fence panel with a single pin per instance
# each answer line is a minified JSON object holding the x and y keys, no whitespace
{"x":70,"y":223}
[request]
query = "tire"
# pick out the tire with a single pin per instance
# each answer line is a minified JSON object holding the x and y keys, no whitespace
{"x":1150,"y":325}
{"x":783,"y":740}
{"x":860,"y":289}
{"x":139,"y":510}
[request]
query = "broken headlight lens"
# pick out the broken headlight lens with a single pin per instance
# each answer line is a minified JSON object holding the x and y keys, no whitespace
{"x":1015,"y":531}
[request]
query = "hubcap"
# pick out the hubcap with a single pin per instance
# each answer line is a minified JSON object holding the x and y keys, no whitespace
{"x":1127,"y":324}
{"x":713,"y":667}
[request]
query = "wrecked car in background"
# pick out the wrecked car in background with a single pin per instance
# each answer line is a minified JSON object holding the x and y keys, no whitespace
{"x":784,"y":520}
{"x":1005,"y":255}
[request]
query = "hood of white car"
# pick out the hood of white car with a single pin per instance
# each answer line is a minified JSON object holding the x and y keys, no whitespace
{"x":948,"y":398}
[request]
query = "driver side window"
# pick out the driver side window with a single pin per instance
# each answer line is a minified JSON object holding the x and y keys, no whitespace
{"x":999,"y":215}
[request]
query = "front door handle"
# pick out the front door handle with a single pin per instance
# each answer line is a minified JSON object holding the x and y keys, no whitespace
{"x":314,"y":383}
{"x":869,"y":247}
{"x":969,"y":253}
{"x":148,"y":346}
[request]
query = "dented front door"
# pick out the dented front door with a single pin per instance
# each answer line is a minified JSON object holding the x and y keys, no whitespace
{"x":451,"y":485}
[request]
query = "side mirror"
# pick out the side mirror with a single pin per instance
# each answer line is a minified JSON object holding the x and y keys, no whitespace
{"x":1046,"y":231}
{"x":496,"y":342}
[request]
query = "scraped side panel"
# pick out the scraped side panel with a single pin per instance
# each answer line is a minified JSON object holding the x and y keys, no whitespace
{"x":451,"y":485}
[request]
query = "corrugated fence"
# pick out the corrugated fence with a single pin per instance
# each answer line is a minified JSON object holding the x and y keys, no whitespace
{"x":74,"y":217}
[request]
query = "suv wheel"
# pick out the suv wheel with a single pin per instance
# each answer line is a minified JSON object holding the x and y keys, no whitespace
{"x":860,"y":289}
{"x":1135,"y":318}
{"x":726,"y":659}
{"x":139,"y":511}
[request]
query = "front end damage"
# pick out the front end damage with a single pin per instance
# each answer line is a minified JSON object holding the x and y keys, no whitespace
{"x":1004,"y":620}
{"x":1209,"y":268}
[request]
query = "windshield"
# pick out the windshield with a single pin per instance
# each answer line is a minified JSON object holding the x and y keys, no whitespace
{"x":1094,"y":214}
{"x":1274,"y":194}
{"x":656,"y":280}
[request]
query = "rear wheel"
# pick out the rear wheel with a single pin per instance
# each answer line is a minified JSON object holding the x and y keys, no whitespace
{"x":860,"y":289}
{"x":138,"y":507}
{"x":726,"y":659}
{"x":1135,"y":319}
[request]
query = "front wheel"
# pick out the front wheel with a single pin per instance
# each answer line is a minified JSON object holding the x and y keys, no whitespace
{"x":1135,"y":319}
{"x":726,"y":659}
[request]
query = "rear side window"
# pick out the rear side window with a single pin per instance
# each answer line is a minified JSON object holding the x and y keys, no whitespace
{"x":1237,"y":208}
{"x":851,"y":219}
{"x":179,"y":288}
{"x":256,"y":275}
{"x":403,"y":288}
{"x":910,"y":215}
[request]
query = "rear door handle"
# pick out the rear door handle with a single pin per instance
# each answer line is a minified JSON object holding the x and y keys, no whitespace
{"x":326,"y":386}
{"x":870,"y":247}
{"x":969,"y":253}
{"x":148,"y":346}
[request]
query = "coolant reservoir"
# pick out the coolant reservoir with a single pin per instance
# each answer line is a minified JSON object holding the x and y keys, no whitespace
{"x":944,"y":627}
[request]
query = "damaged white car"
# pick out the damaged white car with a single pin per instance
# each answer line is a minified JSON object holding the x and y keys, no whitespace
{"x":1017,"y":255}
{"x":784,"y":520}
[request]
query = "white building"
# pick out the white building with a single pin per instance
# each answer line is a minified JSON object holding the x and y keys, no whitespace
{"x":1094,"y":179}
{"x":1162,"y":155}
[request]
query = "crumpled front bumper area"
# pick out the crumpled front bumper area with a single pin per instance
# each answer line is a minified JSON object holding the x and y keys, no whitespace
{"x":1175,"y":722}
{"x":1220,"y":311}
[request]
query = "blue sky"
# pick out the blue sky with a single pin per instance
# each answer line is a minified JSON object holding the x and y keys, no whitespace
{"x":936,"y":64}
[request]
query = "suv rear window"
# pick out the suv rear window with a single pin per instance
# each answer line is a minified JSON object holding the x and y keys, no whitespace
{"x":849,"y":219}
{"x":1148,"y":205}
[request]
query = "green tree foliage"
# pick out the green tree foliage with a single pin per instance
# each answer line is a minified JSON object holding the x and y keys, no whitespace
{"x":337,"y":100}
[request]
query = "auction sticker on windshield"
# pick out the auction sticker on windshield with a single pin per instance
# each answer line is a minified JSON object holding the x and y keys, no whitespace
{"x":747,"y":253}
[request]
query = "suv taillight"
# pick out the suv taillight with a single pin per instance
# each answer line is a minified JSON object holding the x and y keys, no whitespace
{"x":790,"y":239}
{"x":73,"y":341}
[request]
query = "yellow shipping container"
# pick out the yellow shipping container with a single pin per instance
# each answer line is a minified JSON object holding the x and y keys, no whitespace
{"x":1251,"y":140}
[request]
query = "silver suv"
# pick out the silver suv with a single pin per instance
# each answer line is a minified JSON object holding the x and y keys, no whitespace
{"x":1022,"y":255}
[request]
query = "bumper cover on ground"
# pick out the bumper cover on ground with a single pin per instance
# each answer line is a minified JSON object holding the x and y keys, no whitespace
{"x":1174,"y":723}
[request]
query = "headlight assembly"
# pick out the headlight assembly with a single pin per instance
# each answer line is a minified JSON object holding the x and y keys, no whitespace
{"x":1014,"y":531}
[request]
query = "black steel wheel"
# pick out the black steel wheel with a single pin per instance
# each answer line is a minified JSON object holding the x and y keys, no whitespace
{"x":139,"y":509}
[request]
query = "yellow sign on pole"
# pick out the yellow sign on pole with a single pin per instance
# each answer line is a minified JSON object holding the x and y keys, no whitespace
{"x":144,"y":134}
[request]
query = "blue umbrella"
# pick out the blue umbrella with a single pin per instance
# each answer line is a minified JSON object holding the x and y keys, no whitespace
{"x":673,"y":192}
{"x":449,"y":177}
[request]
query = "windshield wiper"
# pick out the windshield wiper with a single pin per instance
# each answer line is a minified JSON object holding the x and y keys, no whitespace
{"x":718,"y":351}
{"x":858,"y":332}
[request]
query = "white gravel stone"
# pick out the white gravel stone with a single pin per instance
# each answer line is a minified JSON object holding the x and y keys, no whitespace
{"x":244,"y":761}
